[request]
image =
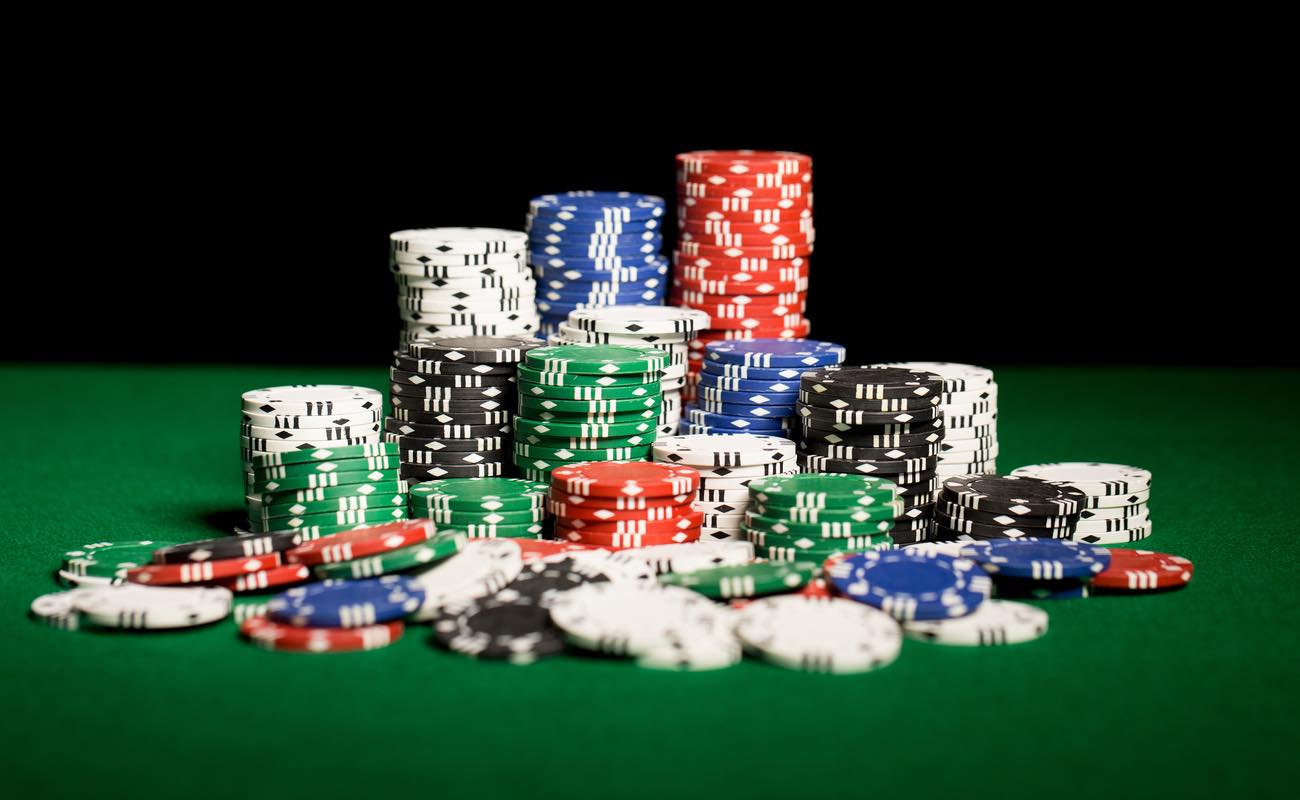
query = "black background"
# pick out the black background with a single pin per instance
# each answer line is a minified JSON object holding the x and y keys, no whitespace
{"x":1000,"y":234}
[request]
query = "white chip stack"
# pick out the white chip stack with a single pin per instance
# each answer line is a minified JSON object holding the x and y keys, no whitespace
{"x":726,"y":463}
{"x":668,"y":328}
{"x":463,"y":282}
{"x":970,"y":412}
{"x":1116,"y":511}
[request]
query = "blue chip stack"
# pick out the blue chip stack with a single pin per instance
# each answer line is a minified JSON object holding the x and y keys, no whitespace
{"x":594,"y":249}
{"x":751,"y":386}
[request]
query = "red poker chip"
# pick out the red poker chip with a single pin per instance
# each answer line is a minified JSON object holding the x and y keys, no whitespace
{"x":200,"y":571}
{"x":741,"y":264}
{"x":291,"y":638}
{"x":743,"y":299}
{"x":784,"y":191}
{"x":752,"y":288}
{"x":622,"y":541}
{"x":617,"y":503}
{"x":704,"y":337}
{"x":535,"y":549}
{"x":762,"y":327}
{"x":729,"y":162}
{"x":693,"y":277}
{"x":624,"y":479}
{"x":1143,"y":571}
{"x":267,"y":579}
{"x":720,"y":312}
{"x":757,"y":217}
{"x":728,"y":205}
{"x":817,"y":587}
{"x":747,"y":180}
{"x":779,"y":252}
{"x":362,"y":542}
{"x":710,"y":226}
{"x":689,"y":518}
{"x":746,"y":240}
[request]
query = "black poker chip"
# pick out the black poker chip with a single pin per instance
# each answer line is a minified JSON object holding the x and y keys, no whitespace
{"x":419,"y":473}
{"x":507,"y":381}
{"x":944,"y":533}
{"x":478,"y":349}
{"x":480,"y":419}
{"x":1014,"y":495}
{"x":509,"y":625}
{"x":422,"y":431}
{"x":420,"y":458}
{"x":852,"y":417}
{"x":915,"y":536}
{"x":843,"y":433}
{"x":851,"y":453}
{"x":450,"y":406}
{"x":1000,"y":531}
{"x":505,"y":395}
{"x":435,"y":367}
{"x":454,"y":432}
{"x":893,"y":404}
{"x":243,"y":546}
{"x":871,"y":382}
{"x":958,"y":512}
{"x":907,"y":466}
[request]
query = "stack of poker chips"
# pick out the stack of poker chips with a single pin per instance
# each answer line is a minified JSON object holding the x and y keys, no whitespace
{"x":1115,"y":505}
{"x":814,"y":517}
{"x":879,"y":421}
{"x":586,"y":402}
{"x":625,"y":504}
{"x":745,"y":231}
{"x":668,"y":328}
{"x":727,"y":463}
{"x":287,"y":431}
{"x":452,"y":402}
{"x":997,"y":507}
{"x":495,"y":508}
{"x":463,"y":282}
{"x":753,"y":385}
{"x":595,"y":249}
{"x":970,"y":416}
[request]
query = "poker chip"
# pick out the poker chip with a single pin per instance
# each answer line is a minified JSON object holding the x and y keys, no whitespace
{"x":1143,"y":571}
{"x":994,"y":622}
{"x":745,"y":580}
{"x":285,"y":575}
{"x":692,"y":651}
{"x":153,"y":607}
{"x":111,"y":560}
{"x":319,"y":401}
{"x":271,"y":635}
{"x":822,"y":491}
{"x":362,"y":542}
{"x":509,"y":625}
{"x":1011,"y":495}
{"x":201,"y":571}
{"x":817,"y":634}
{"x":629,"y":619}
{"x":441,"y":545}
{"x":912,"y":585}
{"x":481,"y":569}
{"x":1038,"y":559}
{"x":59,"y":609}
{"x":347,"y":604}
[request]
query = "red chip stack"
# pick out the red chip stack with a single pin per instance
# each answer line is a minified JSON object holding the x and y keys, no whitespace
{"x":744,"y":234}
{"x":622,"y":504}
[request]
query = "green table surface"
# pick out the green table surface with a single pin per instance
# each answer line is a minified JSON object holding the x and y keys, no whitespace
{"x":1189,"y":693}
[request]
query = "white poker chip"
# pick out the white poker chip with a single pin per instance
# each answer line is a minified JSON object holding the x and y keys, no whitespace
{"x":818,"y":634}
{"x":631,"y":619}
{"x":154,"y":607}
{"x":462,"y":263}
{"x":680,"y":341}
{"x":639,"y":319}
{"x":956,"y":377}
{"x":1134,"y":534}
{"x":312,"y":400}
{"x":470,"y":241}
{"x":59,"y":609}
{"x":941,"y":548}
{"x":1091,"y":478}
{"x":693,"y":652}
{"x":993,"y":622}
{"x":724,"y":450}
{"x":690,"y":556}
{"x":484,"y":567}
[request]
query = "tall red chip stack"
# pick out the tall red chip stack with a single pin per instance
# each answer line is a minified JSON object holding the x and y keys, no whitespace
{"x":744,"y":235}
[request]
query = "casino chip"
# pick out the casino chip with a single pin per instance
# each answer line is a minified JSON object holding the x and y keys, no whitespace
{"x":818,"y":634}
{"x":347,"y":604}
{"x":1143,"y":571}
{"x":59,"y":609}
{"x":745,"y":580}
{"x":722,"y":456}
{"x":153,"y":607}
{"x":272,"y":635}
{"x":994,"y":622}
{"x":1038,"y":559}
{"x":630,"y":619}
{"x":912,"y":585}
{"x":1108,"y":486}
{"x":483,"y":568}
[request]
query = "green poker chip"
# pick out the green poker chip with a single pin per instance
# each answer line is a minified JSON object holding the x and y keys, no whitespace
{"x":110,"y":560}
{"x":821,"y":490}
{"x":654,"y":402}
{"x":593,"y":443}
{"x":745,"y":580}
{"x":488,"y":494}
{"x":369,"y":516}
{"x":830,"y":529}
{"x":650,"y":415}
{"x":307,"y":532}
{"x":786,"y":554}
{"x":444,"y":544}
{"x":597,"y":359}
{"x":813,"y":542}
{"x":325,"y":467}
{"x":870,"y":513}
{"x":323,"y":454}
{"x":565,"y":454}
{"x":531,"y":375}
{"x":326,"y":493}
{"x":314,"y":480}
{"x":588,"y":392}
{"x":359,"y":503}
{"x":577,"y":430}
{"x":534,"y":530}
{"x":478,"y":516}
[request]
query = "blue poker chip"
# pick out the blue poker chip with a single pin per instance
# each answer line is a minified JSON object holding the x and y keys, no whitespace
{"x":651,"y":270}
{"x":768,"y":353}
{"x":687,"y":428}
{"x":742,"y":372}
{"x":554,"y":309}
{"x":714,"y":395}
{"x":723,"y":383}
{"x":347,"y":604}
{"x":912,"y":584}
{"x":744,"y":410}
{"x":1039,"y":559}
{"x":595,"y":239}
{"x":599,"y":205}
{"x":697,"y":416}
{"x":652,"y":296}
{"x":603,"y":287}
{"x":583,"y":264}
{"x":595,"y":252}
{"x":550,"y":223}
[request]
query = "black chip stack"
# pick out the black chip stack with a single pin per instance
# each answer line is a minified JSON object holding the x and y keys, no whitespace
{"x":1006,"y":507}
{"x":876,"y":421}
{"x":453,"y":403}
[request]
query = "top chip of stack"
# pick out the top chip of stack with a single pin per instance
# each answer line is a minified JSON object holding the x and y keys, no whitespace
{"x":1115,"y":509}
{"x":453,"y":398}
{"x":595,"y":249}
{"x":1006,"y":507}
{"x":624,"y":504}
{"x":813,"y":517}
{"x":970,"y":416}
{"x":463,"y":282}
{"x":745,"y":231}
{"x":587,"y":402}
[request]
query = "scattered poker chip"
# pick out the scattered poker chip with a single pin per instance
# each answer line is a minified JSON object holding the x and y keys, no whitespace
{"x":347,"y":604}
{"x":285,"y":575}
{"x":817,"y":634}
{"x":822,"y":491}
{"x":746,"y":580}
{"x":362,"y":542}
{"x":540,"y":549}
{"x":201,"y":571}
{"x":631,"y":618}
{"x":272,"y":635}
{"x":110,"y":560}
{"x":692,"y":652}
{"x":1143,"y":571}
{"x":625,"y":479}
{"x":441,"y":545}
{"x":1039,"y":559}
{"x":690,"y":557}
{"x":509,"y":625}
{"x":482,"y":568}
{"x":774,"y":353}
{"x":995,"y":622}
{"x":59,"y":609}
{"x":153,"y":607}
{"x":1005,"y":494}
{"x":912,"y":585}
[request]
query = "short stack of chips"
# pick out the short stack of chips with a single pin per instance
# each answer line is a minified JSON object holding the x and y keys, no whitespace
{"x":876,"y":421}
{"x":595,"y":249}
{"x":668,"y":328}
{"x":586,"y":402}
{"x":506,"y":508}
{"x":970,"y":416}
{"x":294,"y":442}
{"x":727,"y":464}
{"x":625,"y":504}
{"x":745,"y":231}
{"x":753,"y":385}
{"x":997,"y":507}
{"x":1115,"y":504}
{"x":463,"y":282}
{"x":453,"y":398}
{"x":813,"y":517}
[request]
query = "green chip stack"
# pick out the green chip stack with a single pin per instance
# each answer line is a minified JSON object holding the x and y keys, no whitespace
{"x":586,"y":402}
{"x":485,"y":508}
{"x":812,"y":517}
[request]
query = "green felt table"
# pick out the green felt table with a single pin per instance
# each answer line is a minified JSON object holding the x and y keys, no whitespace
{"x":1185,"y":693}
